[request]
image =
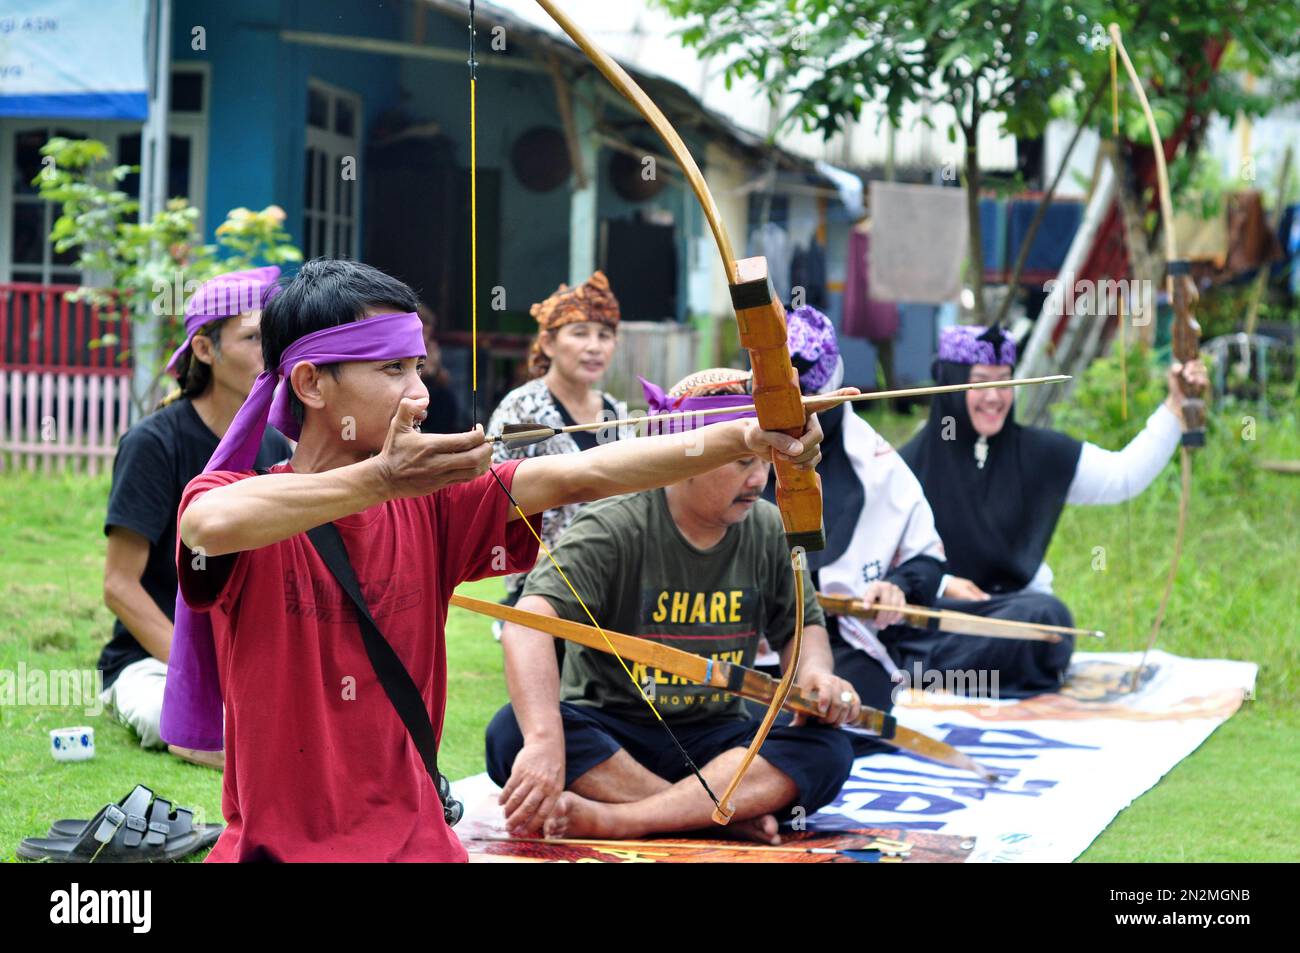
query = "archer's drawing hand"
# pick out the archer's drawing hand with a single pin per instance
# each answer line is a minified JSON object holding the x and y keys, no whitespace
{"x":535,"y":785}
{"x":416,"y":464}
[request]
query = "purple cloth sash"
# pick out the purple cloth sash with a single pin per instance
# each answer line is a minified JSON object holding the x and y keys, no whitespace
{"x":192,"y":715}
{"x":661,"y":403}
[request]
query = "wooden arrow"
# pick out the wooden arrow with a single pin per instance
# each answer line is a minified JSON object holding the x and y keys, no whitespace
{"x":525,"y":434}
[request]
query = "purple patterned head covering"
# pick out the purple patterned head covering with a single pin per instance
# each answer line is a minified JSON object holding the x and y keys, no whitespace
{"x":225,"y":296}
{"x":813,"y":348}
{"x":714,"y":389}
{"x":192,"y":706}
{"x":973,"y":344}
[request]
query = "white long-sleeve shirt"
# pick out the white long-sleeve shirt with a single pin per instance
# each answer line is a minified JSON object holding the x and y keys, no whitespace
{"x":1113,"y":476}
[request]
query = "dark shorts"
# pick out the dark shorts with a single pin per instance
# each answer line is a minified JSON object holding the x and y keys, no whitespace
{"x":816,"y":758}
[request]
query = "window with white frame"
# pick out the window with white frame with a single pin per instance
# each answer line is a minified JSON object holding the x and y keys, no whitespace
{"x":28,"y":254}
{"x":330,"y":196}
{"x":25,"y":251}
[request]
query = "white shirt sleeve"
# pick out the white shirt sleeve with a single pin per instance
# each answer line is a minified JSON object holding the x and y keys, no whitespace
{"x":1042,"y":581}
{"x":1113,"y":476}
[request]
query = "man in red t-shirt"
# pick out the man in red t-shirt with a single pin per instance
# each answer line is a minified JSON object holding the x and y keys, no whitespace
{"x":318,"y":763}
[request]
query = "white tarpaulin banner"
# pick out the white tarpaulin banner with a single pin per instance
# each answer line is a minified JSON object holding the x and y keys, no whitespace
{"x":73,"y":59}
{"x":1071,"y":761}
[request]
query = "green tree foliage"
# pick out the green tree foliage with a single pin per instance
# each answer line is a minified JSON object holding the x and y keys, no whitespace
{"x":1027,"y":61}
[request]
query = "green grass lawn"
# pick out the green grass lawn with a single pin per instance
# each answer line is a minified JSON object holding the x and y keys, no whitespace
{"x":1236,"y":597}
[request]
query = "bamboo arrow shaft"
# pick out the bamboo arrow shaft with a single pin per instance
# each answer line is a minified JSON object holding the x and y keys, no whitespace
{"x":811,"y":404}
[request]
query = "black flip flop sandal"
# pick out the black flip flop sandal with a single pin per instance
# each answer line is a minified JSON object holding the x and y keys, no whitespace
{"x":120,"y":833}
{"x":72,"y":827}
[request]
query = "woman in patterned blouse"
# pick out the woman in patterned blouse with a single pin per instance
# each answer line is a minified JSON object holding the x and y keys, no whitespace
{"x":577,"y":333}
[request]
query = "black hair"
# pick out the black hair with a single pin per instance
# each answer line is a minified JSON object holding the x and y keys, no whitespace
{"x":193,"y":375}
{"x":325,"y":293}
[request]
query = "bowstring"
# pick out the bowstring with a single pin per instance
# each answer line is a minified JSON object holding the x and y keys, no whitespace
{"x":690,"y":762}
{"x":473,"y":279}
{"x":473,"y":219}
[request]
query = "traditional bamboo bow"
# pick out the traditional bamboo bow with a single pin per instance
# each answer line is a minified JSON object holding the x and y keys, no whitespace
{"x":761,"y":320}
{"x":957,"y":623}
{"x":728,"y":676}
{"x":1186,"y":337}
{"x":473,"y":178}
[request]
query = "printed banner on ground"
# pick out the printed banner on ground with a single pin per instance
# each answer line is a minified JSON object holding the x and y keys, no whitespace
{"x":1071,"y":761}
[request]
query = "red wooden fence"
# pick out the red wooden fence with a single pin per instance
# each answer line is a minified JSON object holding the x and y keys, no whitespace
{"x":65,"y":395}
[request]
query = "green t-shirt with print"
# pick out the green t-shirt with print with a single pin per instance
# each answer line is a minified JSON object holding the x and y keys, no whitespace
{"x":640,"y":576}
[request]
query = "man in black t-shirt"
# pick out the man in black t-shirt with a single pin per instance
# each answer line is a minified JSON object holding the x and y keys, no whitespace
{"x":156,"y":458}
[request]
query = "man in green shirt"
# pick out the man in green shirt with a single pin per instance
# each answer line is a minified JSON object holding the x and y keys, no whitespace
{"x":701,"y":565}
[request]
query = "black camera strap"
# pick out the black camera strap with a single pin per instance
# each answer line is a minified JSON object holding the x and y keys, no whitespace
{"x":398,"y":684}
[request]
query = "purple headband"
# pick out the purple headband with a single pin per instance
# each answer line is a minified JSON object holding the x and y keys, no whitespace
{"x":224,"y":297}
{"x":813,"y":347}
{"x":661,"y":403}
{"x":192,"y":706}
{"x":972,"y":344}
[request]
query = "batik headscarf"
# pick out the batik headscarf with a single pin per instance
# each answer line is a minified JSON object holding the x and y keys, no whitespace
{"x":590,"y":301}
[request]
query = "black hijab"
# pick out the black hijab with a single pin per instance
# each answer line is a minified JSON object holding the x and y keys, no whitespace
{"x":842,"y":493}
{"x":997,"y":522}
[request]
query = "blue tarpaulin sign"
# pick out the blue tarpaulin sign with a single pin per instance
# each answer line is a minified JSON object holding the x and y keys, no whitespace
{"x":72,"y":59}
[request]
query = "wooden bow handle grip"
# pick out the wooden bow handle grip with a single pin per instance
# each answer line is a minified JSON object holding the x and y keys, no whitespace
{"x":777,"y":400}
{"x":1185,"y":345}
